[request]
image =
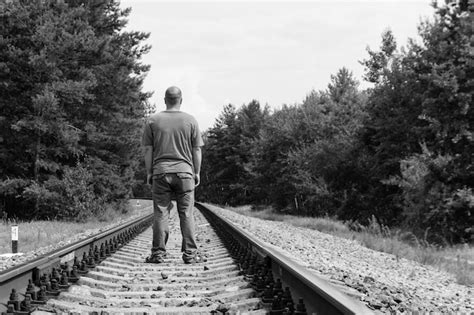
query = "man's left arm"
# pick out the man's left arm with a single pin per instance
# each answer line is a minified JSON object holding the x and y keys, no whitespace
{"x":148,"y":153}
{"x":147,"y":142}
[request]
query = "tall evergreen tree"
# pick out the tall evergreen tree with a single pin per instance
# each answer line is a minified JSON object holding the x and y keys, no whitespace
{"x":227,"y":175}
{"x":332,"y":121}
{"x":70,"y":86}
{"x":220,"y":156}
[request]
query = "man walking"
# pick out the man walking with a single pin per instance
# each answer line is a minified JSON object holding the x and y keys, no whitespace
{"x":172,"y":142}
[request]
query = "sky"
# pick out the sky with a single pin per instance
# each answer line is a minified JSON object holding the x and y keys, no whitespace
{"x":225,"y":52}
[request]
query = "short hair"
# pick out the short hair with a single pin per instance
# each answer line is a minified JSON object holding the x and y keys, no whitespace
{"x":173,"y":101}
{"x":172,"y":95}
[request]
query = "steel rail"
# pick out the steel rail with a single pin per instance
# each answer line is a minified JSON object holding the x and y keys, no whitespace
{"x":19,"y":276}
{"x":320,"y":297}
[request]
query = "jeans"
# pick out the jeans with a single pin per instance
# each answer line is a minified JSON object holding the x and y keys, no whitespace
{"x":164,"y":187}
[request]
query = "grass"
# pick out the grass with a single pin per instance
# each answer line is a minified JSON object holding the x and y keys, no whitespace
{"x":457,"y":260}
{"x":36,"y":234}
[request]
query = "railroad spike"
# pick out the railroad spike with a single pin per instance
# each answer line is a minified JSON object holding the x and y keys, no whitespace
{"x":55,"y":274}
{"x":54,"y":285}
{"x":73,"y":275}
{"x":76,"y":262}
{"x":84,"y":257}
{"x":287,"y":299}
{"x":260,"y":285}
{"x":108,"y":248}
{"x":90,"y":262}
{"x":267,"y":296}
{"x":269,"y":279}
{"x":67,"y":268}
{"x":277,"y":308}
{"x":10,"y":310}
{"x":102,"y":252}
{"x":96,"y":254}
{"x":64,"y":281}
{"x":290,"y":306}
{"x":114,"y":245}
{"x":30,"y":289}
{"x":251,"y":270}
{"x":83,"y":269}
{"x":25,"y":305}
{"x":300,"y":308}
{"x":42,"y":280}
{"x":41,"y":296}
{"x":277,"y":287}
{"x":14,"y":300}
{"x":52,"y":288}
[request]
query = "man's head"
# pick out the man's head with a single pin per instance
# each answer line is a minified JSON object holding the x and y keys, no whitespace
{"x":173,"y":97}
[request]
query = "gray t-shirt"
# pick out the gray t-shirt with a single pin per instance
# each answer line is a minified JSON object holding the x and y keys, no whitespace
{"x":173,"y":134}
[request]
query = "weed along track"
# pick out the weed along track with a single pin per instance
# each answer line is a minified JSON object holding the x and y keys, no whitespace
{"x":239,"y":275}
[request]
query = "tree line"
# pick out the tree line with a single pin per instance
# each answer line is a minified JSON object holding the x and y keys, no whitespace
{"x":72,"y":110}
{"x":400,"y":151}
{"x":72,"y":107}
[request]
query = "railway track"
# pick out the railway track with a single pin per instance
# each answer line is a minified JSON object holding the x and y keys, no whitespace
{"x":107,"y":274}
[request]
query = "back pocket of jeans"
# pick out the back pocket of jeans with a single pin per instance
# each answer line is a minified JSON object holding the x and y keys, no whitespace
{"x":184,"y":175}
{"x":186,"y":182}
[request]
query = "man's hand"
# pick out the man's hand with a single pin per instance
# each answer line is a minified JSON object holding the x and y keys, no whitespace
{"x":149,"y":179}
{"x":197,"y":180}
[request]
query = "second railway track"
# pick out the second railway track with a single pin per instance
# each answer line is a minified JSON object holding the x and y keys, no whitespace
{"x":239,"y":275}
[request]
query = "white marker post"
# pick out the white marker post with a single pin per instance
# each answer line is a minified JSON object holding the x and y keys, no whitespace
{"x":138,"y":202}
{"x":14,"y":239}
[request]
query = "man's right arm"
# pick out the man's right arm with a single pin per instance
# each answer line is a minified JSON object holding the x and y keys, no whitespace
{"x":197,"y":158}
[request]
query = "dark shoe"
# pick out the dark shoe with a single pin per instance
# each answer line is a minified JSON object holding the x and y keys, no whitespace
{"x":195,"y":260}
{"x":155,"y":258}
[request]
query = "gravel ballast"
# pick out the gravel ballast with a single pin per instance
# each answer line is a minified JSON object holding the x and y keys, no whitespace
{"x":382,"y":281}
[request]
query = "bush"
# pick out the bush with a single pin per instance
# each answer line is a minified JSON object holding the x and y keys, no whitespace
{"x":436,"y":205}
{"x":78,"y":194}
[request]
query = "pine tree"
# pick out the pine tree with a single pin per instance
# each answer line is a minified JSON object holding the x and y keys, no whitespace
{"x":227,"y":159}
{"x":219,"y":169}
{"x":332,"y":120}
{"x":71,"y":98}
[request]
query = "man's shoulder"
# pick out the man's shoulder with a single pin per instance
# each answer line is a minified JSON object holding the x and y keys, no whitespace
{"x":152,"y":118}
{"x":167,"y":115}
{"x":185,"y":116}
{"x":189,"y":117}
